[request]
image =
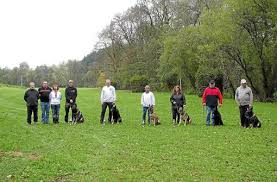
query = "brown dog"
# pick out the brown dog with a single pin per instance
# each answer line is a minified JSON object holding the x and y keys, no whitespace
{"x":184,"y":117}
{"x":154,"y":117}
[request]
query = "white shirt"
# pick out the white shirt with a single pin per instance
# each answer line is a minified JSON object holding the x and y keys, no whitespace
{"x":55,"y":99}
{"x":147,"y":99}
{"x":108,"y":94}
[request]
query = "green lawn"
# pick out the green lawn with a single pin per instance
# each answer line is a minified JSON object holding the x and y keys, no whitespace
{"x":128,"y":152}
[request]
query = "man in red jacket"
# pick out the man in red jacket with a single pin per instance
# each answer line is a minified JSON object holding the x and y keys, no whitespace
{"x":210,"y":99}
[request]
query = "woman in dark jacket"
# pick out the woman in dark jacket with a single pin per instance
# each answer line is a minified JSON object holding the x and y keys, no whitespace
{"x":177,"y":100}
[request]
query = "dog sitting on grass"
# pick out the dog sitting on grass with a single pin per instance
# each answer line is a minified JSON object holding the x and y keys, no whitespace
{"x":116,"y":118}
{"x":185,"y":118}
{"x":217,"y":118}
{"x":251,"y":119}
{"x":77,"y":116}
{"x":154,"y":118}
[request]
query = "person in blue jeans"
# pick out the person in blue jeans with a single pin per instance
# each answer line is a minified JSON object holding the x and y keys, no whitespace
{"x":44,"y":93}
{"x":147,"y":101}
{"x":210,"y":99}
{"x":55,"y":102}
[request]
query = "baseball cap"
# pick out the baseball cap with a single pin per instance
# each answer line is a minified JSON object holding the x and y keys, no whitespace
{"x":212,"y":82}
{"x":243,"y":81}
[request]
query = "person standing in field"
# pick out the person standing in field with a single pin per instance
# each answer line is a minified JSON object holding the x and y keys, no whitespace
{"x":107,"y":98}
{"x":177,"y":100}
{"x":55,"y":102}
{"x":147,"y":101}
{"x":31,"y":97}
{"x":210,"y":99}
{"x":244,"y":99}
{"x":70,"y":95}
{"x":44,"y":93}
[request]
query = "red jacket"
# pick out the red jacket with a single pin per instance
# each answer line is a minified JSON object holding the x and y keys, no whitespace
{"x":211,"y":96}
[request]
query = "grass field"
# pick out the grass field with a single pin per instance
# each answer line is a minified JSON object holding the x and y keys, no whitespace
{"x":128,"y":152}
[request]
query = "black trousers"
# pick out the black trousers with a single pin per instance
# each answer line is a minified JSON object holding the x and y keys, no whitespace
{"x":67,"y":109}
{"x":243,"y":120}
{"x":30,"y":110}
{"x":104,"y":107}
{"x":175,"y":114}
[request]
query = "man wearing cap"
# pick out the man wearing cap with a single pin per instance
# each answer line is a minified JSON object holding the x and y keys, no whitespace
{"x":70,"y":95}
{"x":244,"y":99}
{"x":210,"y":99}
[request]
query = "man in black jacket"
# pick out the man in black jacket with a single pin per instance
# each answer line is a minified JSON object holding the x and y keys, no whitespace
{"x":70,"y":95}
{"x":31,"y":98}
{"x":44,"y":93}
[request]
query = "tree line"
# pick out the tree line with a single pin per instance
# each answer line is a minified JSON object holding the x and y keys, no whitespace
{"x":163,"y":42}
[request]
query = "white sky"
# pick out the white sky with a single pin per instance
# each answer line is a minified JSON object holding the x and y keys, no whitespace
{"x":52,"y":31}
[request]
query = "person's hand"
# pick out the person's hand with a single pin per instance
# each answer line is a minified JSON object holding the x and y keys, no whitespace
{"x":71,"y":101}
{"x":174,"y":102}
{"x":220,"y":105}
{"x":204,"y":104}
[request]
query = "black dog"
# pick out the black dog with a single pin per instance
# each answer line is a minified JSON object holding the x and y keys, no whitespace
{"x":217,"y":118}
{"x":251,"y":119}
{"x":116,"y":118}
{"x":77,"y":116}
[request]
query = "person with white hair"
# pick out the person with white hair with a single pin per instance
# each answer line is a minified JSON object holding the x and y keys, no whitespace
{"x":244,"y":99}
{"x":107,"y":98}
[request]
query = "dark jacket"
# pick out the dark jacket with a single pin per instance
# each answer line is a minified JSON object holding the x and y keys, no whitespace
{"x":211,"y":96}
{"x":70,"y":93}
{"x":31,"y":97}
{"x":177,"y":100}
{"x":44,"y":94}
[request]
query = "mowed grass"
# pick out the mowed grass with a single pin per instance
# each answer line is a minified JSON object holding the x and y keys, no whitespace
{"x":128,"y":152}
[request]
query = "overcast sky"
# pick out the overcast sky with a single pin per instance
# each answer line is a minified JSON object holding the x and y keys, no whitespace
{"x":52,"y":31}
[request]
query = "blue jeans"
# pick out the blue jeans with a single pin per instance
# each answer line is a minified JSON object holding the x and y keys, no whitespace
{"x":55,"y":112}
{"x":145,"y":110}
{"x":210,"y":111}
{"x":45,"y":107}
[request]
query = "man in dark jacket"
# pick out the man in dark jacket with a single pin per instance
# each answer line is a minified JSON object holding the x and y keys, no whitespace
{"x":210,"y":99}
{"x":44,"y":93}
{"x":70,"y":95}
{"x":31,"y":98}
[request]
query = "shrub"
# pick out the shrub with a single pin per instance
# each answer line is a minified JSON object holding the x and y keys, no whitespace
{"x":204,"y":75}
{"x":137,"y":83}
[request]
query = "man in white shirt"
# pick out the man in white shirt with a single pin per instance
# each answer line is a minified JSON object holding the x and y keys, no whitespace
{"x":147,"y":101}
{"x":108,"y":97}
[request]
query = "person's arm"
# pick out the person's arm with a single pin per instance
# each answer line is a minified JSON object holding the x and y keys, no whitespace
{"x":114,"y":94}
{"x":172,"y":100}
{"x":220,"y":97}
{"x":102,"y":95}
{"x":153,"y":99}
{"x":76,"y":93}
{"x":66,"y":94}
{"x":251,"y":98}
{"x":204,"y":97}
{"x":25,"y":96}
{"x":141,"y":99}
{"x":184,"y":100}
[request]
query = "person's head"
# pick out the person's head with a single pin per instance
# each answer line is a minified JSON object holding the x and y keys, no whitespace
{"x":32,"y":85}
{"x":108,"y":82}
{"x":147,"y":88}
{"x":177,"y":89}
{"x":243,"y":83}
{"x":44,"y":84}
{"x":70,"y":83}
{"x":55,"y":87}
{"x":212,"y":84}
